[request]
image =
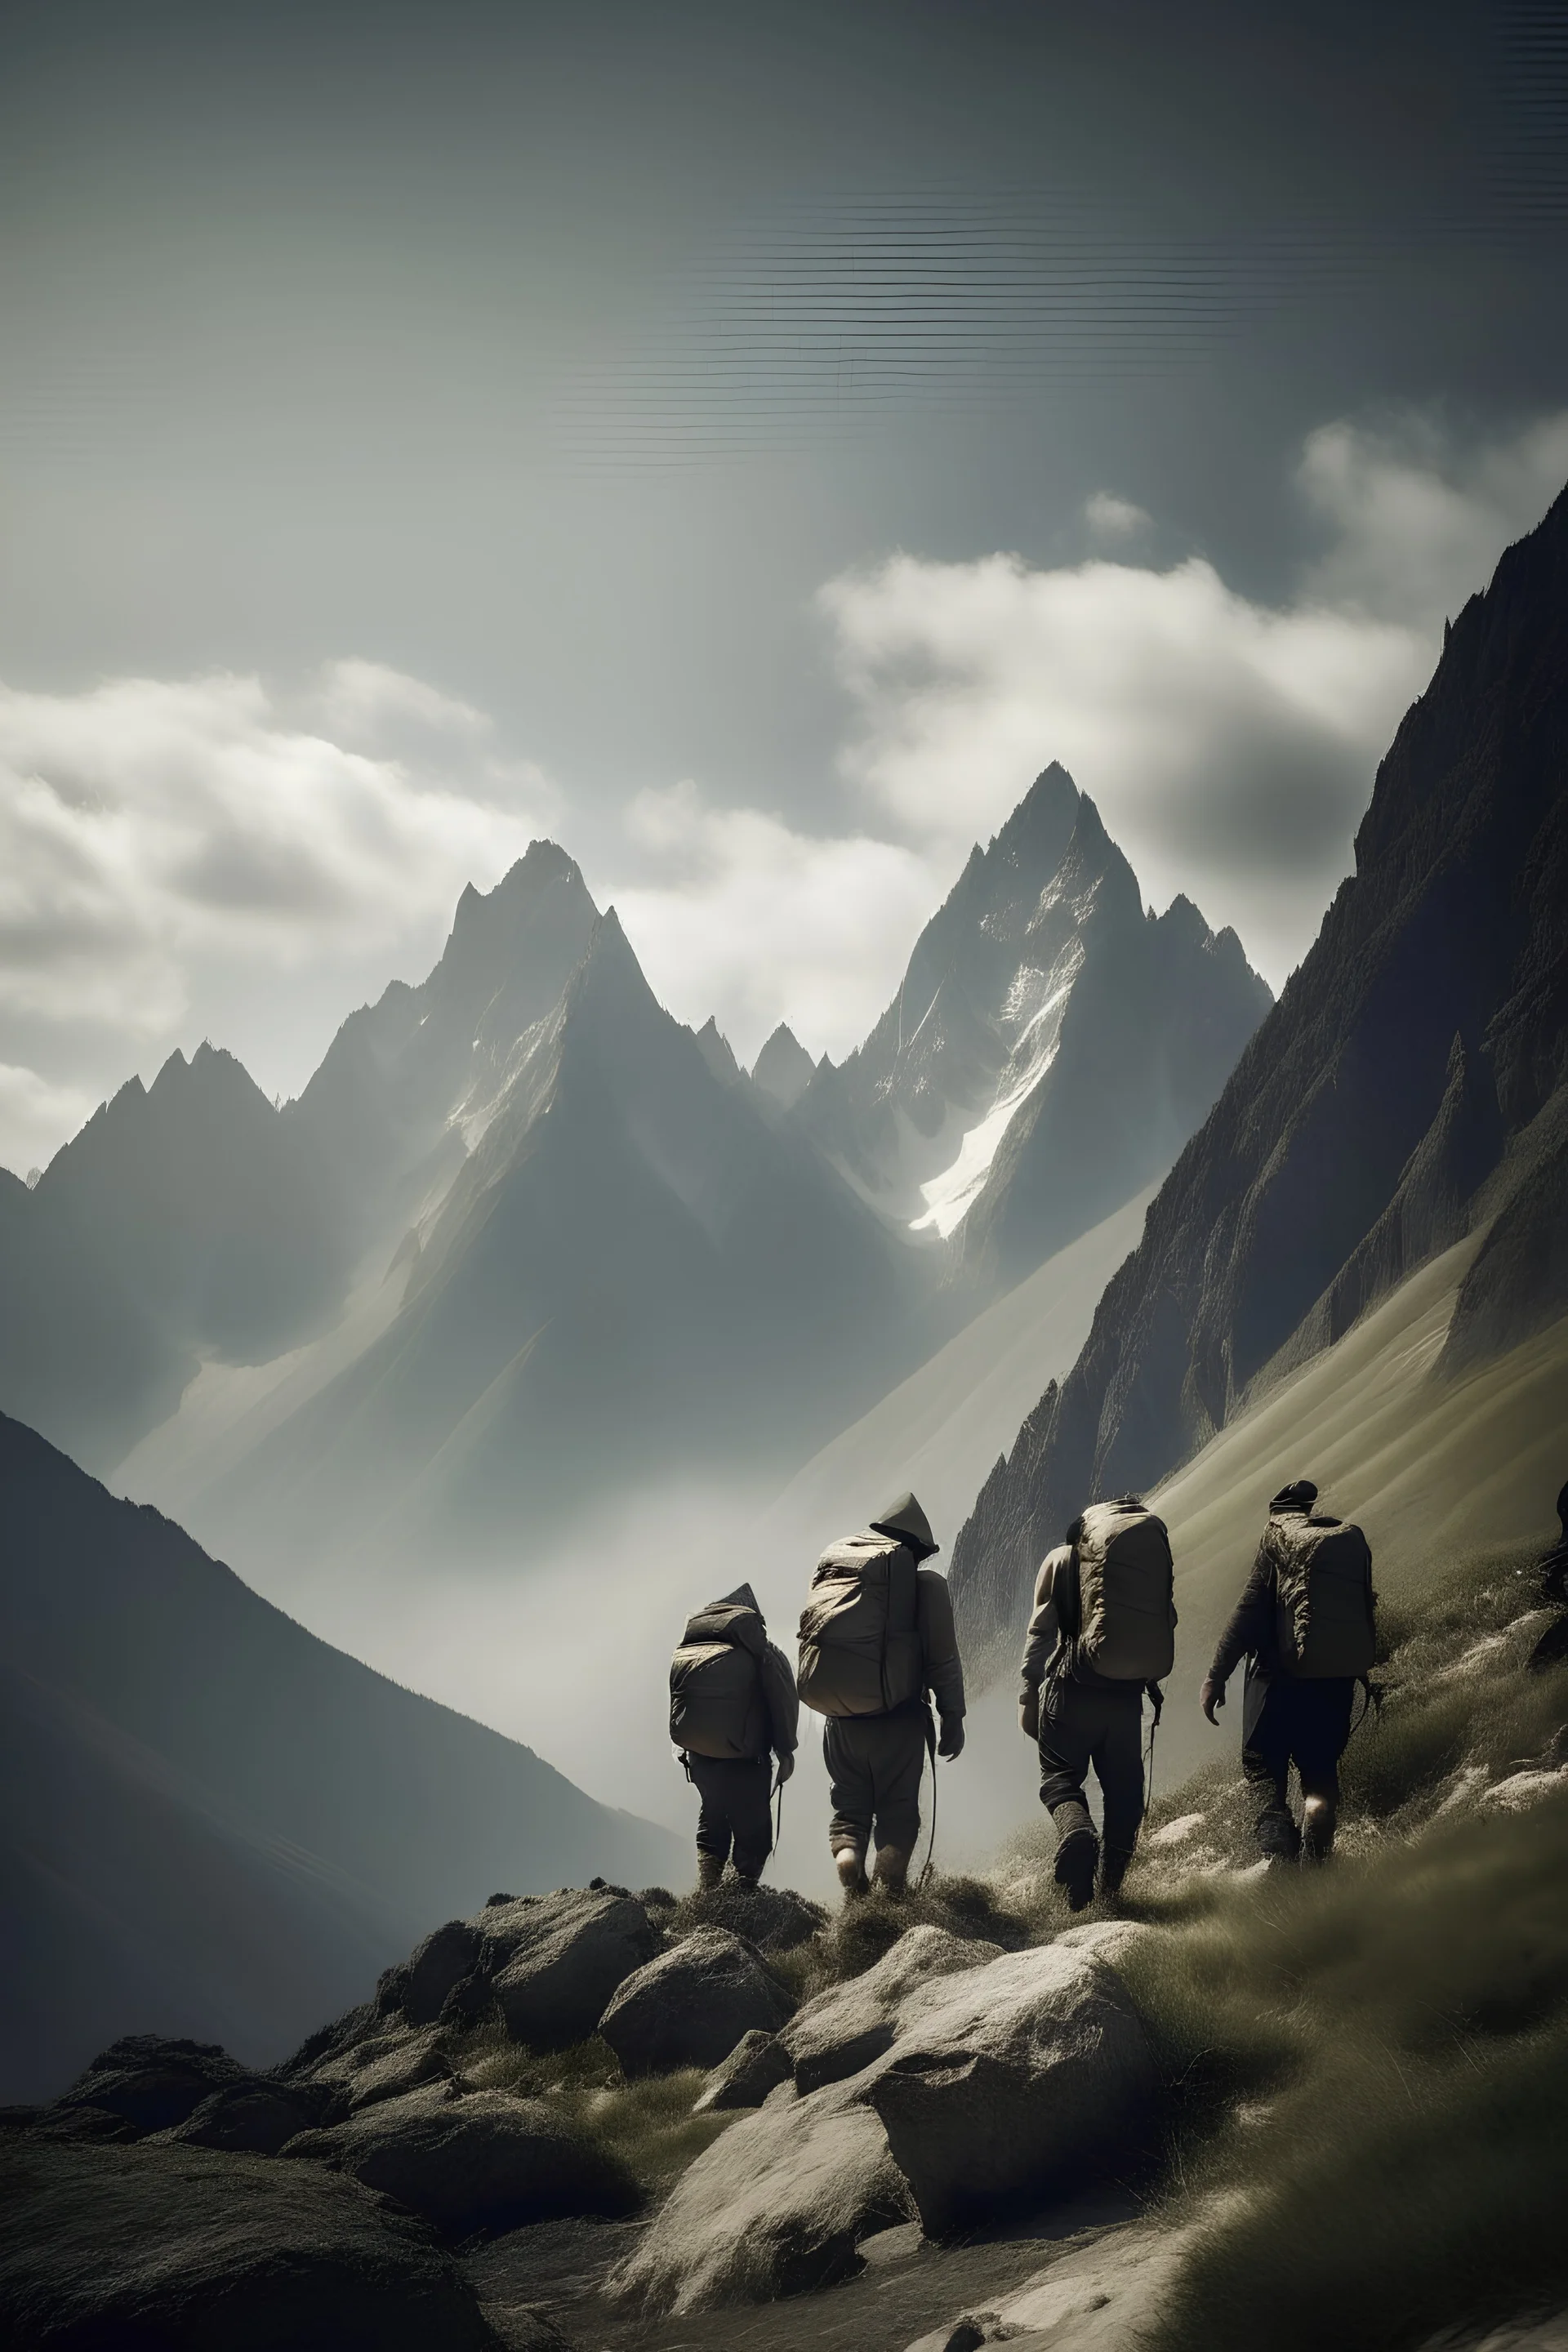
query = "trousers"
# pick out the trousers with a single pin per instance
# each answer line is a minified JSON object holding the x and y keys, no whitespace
{"x":734,"y":1794}
{"x":1096,"y":1726}
{"x":874,"y":1765}
{"x":1306,"y":1724}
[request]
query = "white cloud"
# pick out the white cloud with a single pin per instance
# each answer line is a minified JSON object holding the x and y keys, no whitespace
{"x":35,"y":1116}
{"x":1112,"y":520}
{"x":1230,"y":744}
{"x":737,"y":915}
{"x":145,"y":825}
{"x":167,"y":850}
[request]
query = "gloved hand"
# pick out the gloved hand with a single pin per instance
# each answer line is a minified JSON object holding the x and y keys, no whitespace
{"x":1211,"y":1697}
{"x":1029,"y":1710}
{"x":951,"y":1743}
{"x":786,"y":1767}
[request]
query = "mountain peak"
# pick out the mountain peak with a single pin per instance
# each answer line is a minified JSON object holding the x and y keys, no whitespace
{"x":1044,"y":817}
{"x":715,"y":1050}
{"x":783,"y":1069}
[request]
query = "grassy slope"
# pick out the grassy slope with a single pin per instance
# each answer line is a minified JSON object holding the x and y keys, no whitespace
{"x":1431,"y":1469}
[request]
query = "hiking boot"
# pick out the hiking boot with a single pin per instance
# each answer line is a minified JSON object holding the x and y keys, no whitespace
{"x":710,"y":1870}
{"x":1078,"y":1854}
{"x":892,"y":1871}
{"x":850,"y":1865}
{"x":1317,"y":1817}
{"x":747,"y":1880}
{"x":1278,"y":1839}
{"x":1113,"y":1871}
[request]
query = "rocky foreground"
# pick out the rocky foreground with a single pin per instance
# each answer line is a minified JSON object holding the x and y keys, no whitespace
{"x":606,"y":2119}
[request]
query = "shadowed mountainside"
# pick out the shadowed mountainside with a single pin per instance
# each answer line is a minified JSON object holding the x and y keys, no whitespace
{"x":210,"y":1820}
{"x":1407,"y":1087}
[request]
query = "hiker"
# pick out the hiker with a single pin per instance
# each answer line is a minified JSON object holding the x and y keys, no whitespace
{"x":732,"y":1708}
{"x":877,"y":1637}
{"x":1306,"y":1625}
{"x":1550,"y":1577}
{"x":1101,"y":1635}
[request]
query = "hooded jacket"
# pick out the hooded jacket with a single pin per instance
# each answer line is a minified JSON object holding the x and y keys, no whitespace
{"x":941,"y":1668}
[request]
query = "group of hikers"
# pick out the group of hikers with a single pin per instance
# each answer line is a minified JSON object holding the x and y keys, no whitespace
{"x":878,"y":1660}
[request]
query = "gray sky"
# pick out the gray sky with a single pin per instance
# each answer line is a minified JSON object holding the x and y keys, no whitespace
{"x":747,"y":443}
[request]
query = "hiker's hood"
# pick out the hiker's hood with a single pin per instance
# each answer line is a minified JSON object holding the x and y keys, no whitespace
{"x":905,"y":1520}
{"x":1299,"y":1495}
{"x":743,"y":1597}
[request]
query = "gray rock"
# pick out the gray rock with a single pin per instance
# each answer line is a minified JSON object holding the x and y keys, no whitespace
{"x":152,"y":2083}
{"x":691,"y":2006}
{"x":775,"y":1918}
{"x":1009,"y":2081}
{"x":390,"y":2074}
{"x":758,"y":2063}
{"x":776,"y":2207}
{"x":1099,"y":2297}
{"x":436,"y":1967}
{"x":248,"y":2119}
{"x":179,"y":2247}
{"x":473,"y":2166}
{"x":555,"y":1959}
{"x":846,"y":2028}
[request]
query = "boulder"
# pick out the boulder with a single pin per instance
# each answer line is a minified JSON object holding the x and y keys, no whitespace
{"x":758,"y":2063}
{"x":436,"y":1967}
{"x":776,"y":2207}
{"x":846,"y":2028}
{"x":248,"y":2118}
{"x":1010,"y":2080}
{"x":775,"y":1918}
{"x":384,"y":2064}
{"x":472,"y":2165}
{"x":1099,"y":2297}
{"x":555,"y":1959}
{"x":151,"y":2083}
{"x":691,"y":2006}
{"x":179,"y":2247}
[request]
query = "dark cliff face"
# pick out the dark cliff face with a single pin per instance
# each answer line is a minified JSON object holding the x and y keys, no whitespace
{"x":1403,"y":1086}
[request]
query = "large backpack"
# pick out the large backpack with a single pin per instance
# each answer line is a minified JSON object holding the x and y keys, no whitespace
{"x":1323,"y":1597}
{"x":859,"y":1632}
{"x":1126,"y":1628}
{"x":717,"y":1705}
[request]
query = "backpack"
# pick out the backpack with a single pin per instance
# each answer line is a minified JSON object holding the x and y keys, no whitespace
{"x":859,"y":1632}
{"x":717,"y":1705}
{"x":1323,"y":1597}
{"x":1126,"y":1616}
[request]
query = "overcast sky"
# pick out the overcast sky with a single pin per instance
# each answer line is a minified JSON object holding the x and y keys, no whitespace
{"x":746,"y":443}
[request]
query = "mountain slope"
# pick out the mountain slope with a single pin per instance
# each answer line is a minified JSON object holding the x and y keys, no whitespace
{"x":1404,"y":1090}
{"x":938,"y":1430}
{"x":1051,"y":1047}
{"x":637,"y":1267}
{"x":212,"y":1823}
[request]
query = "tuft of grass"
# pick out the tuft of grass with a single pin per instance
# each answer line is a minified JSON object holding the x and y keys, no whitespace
{"x":646,"y":2127}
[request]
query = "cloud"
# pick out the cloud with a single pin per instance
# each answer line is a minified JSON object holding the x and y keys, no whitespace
{"x":734,"y":913}
{"x":1110,"y":519}
{"x":1230,"y":744}
{"x":36,"y":1116}
{"x":145,"y":827}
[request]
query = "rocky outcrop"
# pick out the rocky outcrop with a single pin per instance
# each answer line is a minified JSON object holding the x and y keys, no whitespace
{"x":152,"y":2083}
{"x":758,"y":2063}
{"x":1102,"y":2297}
{"x":553,"y":1960}
{"x":143,"y":2246}
{"x":692,"y":2006}
{"x":249,"y":2119}
{"x":1422,"y":1036}
{"x":473,"y":2165}
{"x":775,"y":2207}
{"x":845,"y":2029}
{"x":1013,"y":2080}
{"x":980,"y":2078}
